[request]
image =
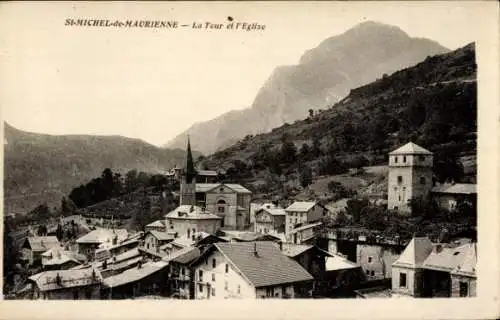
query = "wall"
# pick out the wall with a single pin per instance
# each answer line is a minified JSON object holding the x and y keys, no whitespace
{"x":151,"y":243}
{"x":88,"y":249}
{"x":230,"y":197}
{"x":188,"y":192}
{"x":400,"y":193}
{"x":381,"y":262}
{"x":182,"y":225}
{"x":455,"y":285}
{"x":69,"y":294}
{"x":233,"y":279}
{"x":412,"y":278}
{"x":276,"y":292}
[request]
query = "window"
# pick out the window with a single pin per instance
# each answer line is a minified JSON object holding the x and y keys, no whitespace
{"x":213,"y":291}
{"x":368,"y":272}
{"x":421,"y":158}
{"x":464,"y":289}
{"x":200,"y":275}
{"x":422,"y":180}
{"x":396,"y":159}
{"x":370,"y":259}
{"x":402,"y":280}
{"x":238,"y":289}
{"x":200,"y":288}
{"x":404,"y":158}
{"x":400,"y":179}
{"x":182,"y":271}
{"x":189,"y":233}
{"x":227,"y":268}
{"x":213,"y":277}
{"x":225,"y":285}
{"x":372,"y":273}
{"x":213,"y":263}
{"x":221,"y":209}
{"x":194,"y":231}
{"x":269,"y":292}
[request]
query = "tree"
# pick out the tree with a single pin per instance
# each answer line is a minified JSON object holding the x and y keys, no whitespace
{"x":305,"y":152}
{"x":131,"y":182}
{"x":288,"y":153}
{"x":108,"y":182}
{"x":305,"y":176}
{"x":59,"y":232}
{"x":311,"y":113}
{"x":67,"y":207}
{"x":316,"y":147}
{"x":354,"y":208}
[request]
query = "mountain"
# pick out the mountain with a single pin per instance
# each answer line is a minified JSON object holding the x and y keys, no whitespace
{"x":322,"y":77}
{"x":43,"y":168}
{"x":433,"y":104}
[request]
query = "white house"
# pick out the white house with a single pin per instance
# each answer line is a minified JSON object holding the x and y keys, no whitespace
{"x":248,"y":270}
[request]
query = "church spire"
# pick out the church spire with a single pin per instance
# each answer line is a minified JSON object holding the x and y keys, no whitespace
{"x":190,"y":172}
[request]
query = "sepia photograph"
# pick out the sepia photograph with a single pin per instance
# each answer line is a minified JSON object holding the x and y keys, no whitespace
{"x":189,"y":151}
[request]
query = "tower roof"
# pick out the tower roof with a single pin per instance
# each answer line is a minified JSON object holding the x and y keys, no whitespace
{"x":190,"y":172}
{"x":411,"y":148}
{"x":415,"y":253}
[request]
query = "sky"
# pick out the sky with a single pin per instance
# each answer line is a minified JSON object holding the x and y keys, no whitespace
{"x":153,"y":84}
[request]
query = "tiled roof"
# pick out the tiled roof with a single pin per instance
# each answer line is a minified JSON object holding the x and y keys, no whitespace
{"x":293,"y":250}
{"x":107,"y":246}
{"x":411,"y":148}
{"x":134,"y":274}
{"x":337,"y":262}
{"x":103,"y":235}
{"x":161,"y":236}
{"x":43,"y":243}
{"x":191,"y":212}
{"x":47,"y":280}
{"x":446,"y":259}
{"x":59,"y":256}
{"x":301,"y":206}
{"x":415,"y":253}
{"x":266,"y":268}
{"x":156,"y":224}
{"x":184,"y":255}
{"x":273,"y":211}
{"x":457,"y":188}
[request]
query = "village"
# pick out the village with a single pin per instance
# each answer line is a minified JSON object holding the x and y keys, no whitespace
{"x":220,"y":243}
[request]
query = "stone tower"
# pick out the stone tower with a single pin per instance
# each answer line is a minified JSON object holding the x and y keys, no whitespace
{"x":410,"y":176}
{"x":188,"y":180}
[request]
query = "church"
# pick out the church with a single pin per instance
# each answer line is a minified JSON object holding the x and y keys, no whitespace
{"x":230,"y":202}
{"x":410,"y":177}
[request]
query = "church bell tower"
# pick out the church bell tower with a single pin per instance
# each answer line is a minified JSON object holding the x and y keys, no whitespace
{"x":188,"y":180}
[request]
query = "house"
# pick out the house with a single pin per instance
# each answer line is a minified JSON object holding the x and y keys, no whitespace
{"x":150,"y":278}
{"x":249,"y":270}
{"x":207,"y":176}
{"x":303,"y":212}
{"x":33,"y":247}
{"x":117,"y":263}
{"x":311,"y":258}
{"x":57,"y":258}
{"x":270,"y":219}
{"x":186,"y":220}
{"x":305,"y":233}
{"x":66,"y":284}
{"x":157,"y":225}
{"x":180,"y":281}
{"x":153,"y":240}
{"x":449,"y":196}
{"x":427,"y":269}
{"x":90,"y":242}
{"x":231,"y":202}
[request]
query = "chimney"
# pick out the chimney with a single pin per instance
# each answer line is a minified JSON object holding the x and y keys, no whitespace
{"x":191,"y":209}
{"x":255,"y":249}
{"x":438,"y":248}
{"x":281,"y":245}
{"x":139,"y":265}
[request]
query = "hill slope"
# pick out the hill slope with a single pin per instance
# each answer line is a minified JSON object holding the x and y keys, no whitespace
{"x":324,"y":75}
{"x":41,"y":167}
{"x":433,"y":103}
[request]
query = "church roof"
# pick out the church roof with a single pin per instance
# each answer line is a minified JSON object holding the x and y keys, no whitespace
{"x":206,"y":187}
{"x":190,"y":170}
{"x":415,"y":253}
{"x":411,"y":148}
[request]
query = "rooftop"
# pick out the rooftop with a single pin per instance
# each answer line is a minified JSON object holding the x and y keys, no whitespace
{"x":205,"y":187}
{"x":415,"y":253}
{"x":337,"y":262}
{"x":134,"y":274}
{"x":184,"y":255}
{"x":156,"y":224}
{"x":411,"y":148}
{"x":43,"y":243}
{"x":102,"y":235}
{"x":305,"y":227}
{"x":161,"y":236}
{"x":457,"y":188}
{"x":48,"y":280}
{"x":191,"y":212}
{"x":301,"y":206}
{"x":446,"y":259}
{"x":262,"y":263}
